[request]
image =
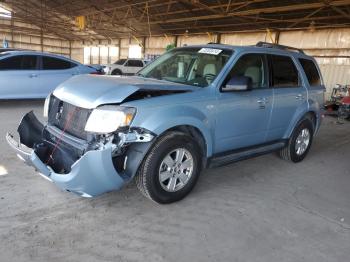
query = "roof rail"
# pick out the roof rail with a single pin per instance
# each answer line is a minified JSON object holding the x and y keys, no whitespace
{"x":277,"y":46}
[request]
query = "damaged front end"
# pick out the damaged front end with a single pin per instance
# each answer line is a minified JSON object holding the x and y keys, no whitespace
{"x":81,"y":162}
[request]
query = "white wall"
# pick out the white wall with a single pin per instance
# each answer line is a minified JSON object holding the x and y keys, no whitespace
{"x":100,"y":54}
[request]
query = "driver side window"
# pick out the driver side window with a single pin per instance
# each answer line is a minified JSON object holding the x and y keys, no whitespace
{"x":252,"y":66}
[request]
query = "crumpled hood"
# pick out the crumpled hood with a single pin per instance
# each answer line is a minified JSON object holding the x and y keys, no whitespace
{"x":90,"y":91}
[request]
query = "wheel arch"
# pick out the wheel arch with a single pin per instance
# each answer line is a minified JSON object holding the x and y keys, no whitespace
{"x":197,"y":135}
{"x":194,"y":128}
{"x":187,"y":119}
{"x":310,"y":114}
{"x":313,"y":117}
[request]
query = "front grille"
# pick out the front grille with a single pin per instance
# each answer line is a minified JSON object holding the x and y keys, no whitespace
{"x":61,"y":112}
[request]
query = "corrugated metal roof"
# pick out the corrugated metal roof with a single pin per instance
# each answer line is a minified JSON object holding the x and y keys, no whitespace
{"x":107,"y":19}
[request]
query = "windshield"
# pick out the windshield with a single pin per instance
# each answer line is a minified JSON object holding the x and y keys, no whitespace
{"x":120,"y":62}
{"x":191,"y":66}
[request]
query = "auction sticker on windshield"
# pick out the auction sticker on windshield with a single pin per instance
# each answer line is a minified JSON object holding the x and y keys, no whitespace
{"x":210,"y":51}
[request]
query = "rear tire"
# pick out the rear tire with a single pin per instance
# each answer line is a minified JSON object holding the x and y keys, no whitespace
{"x":171,"y":169}
{"x":299,"y":143}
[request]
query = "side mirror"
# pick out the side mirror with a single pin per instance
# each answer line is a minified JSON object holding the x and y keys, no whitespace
{"x":238,"y":83}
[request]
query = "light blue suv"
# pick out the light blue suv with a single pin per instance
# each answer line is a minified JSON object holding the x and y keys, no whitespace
{"x":194,"y":107}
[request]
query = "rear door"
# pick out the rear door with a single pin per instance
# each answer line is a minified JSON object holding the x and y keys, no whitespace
{"x":19,"y":76}
{"x":53,"y":72}
{"x":315,"y":84}
{"x":289,"y":94}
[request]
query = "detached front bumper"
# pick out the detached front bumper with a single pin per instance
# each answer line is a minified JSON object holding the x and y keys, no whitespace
{"x":91,"y":175}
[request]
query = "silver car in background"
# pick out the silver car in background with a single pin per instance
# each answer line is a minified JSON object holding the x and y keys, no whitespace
{"x":31,"y":74}
{"x":128,"y":66}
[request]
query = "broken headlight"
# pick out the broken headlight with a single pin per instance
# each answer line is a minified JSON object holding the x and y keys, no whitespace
{"x":107,"y":119}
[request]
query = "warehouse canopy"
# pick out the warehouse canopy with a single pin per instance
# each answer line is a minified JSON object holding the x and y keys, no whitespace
{"x":105,"y":19}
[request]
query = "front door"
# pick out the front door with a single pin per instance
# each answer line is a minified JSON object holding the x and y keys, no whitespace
{"x":243,"y":116}
{"x":18,"y":76}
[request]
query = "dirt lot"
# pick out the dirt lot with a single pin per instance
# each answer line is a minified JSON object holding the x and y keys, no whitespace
{"x":262,"y":209}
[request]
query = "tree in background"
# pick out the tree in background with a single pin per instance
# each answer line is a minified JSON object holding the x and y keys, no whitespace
{"x":169,"y":47}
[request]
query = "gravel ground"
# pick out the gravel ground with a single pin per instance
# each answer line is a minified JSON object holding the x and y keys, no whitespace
{"x":262,"y":209}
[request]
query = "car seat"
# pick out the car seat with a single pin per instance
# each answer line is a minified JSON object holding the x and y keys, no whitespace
{"x":254,"y":73}
{"x":209,"y":72}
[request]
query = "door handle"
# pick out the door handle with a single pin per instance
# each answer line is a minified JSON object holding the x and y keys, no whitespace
{"x":299,"y":96}
{"x":33,"y":75}
{"x":262,"y":102}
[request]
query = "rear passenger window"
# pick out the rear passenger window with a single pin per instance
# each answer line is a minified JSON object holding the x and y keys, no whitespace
{"x":311,"y":71}
{"x":22,"y":62}
{"x":28,"y":62}
{"x":134,"y":63}
{"x":52,"y":63}
{"x":284,"y":72}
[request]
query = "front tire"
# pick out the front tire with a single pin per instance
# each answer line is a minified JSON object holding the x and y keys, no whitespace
{"x":300,"y":142}
{"x":171,"y":169}
{"x":116,"y":72}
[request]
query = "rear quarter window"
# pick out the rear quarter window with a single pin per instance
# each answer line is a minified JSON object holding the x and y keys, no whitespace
{"x":284,"y":72}
{"x":135,"y":63}
{"x":311,"y":71}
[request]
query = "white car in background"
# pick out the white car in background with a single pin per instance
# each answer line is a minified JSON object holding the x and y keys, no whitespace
{"x":31,"y":74}
{"x":125,"y":67}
